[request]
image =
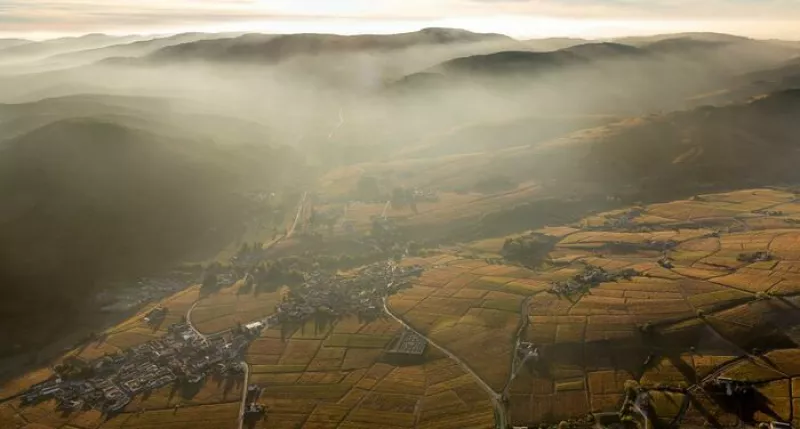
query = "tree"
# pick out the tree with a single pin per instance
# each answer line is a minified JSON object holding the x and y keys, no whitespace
{"x":313,"y":217}
{"x":631,"y":389}
{"x":367,"y":188}
{"x":210,"y":281}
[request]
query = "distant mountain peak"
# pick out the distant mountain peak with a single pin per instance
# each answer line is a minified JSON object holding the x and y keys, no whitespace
{"x":457,"y":32}
{"x":274,"y":48}
{"x":604,"y":49}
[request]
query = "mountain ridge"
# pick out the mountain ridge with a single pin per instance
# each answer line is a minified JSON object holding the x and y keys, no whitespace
{"x":274,"y":48}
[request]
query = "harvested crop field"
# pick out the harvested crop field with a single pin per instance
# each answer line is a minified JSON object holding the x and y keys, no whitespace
{"x":345,"y":380}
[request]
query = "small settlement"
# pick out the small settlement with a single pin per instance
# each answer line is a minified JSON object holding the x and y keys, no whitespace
{"x":590,"y":277}
{"x":111,"y":382}
{"x":336,"y":295}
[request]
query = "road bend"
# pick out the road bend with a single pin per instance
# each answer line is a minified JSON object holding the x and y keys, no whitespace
{"x":191,"y":325}
{"x":265,"y":321}
{"x":495,"y":397}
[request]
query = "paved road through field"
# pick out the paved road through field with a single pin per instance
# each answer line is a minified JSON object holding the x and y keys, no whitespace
{"x":495,"y":397}
{"x":205,"y":338}
{"x":244,"y":392}
{"x":191,"y":325}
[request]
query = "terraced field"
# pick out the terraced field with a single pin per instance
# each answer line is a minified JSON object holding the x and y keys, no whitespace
{"x":45,"y":415}
{"x":668,"y":327}
{"x":338,"y":377}
{"x":473,"y":310}
{"x":235,"y":304}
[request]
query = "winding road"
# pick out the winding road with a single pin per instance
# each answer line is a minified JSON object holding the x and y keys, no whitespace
{"x":495,"y":397}
{"x":194,"y":329}
{"x":191,"y":325}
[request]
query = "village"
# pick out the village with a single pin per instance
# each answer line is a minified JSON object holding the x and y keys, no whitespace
{"x":185,"y":356}
{"x":336,"y":295}
{"x":125,"y":296}
{"x":110,"y":383}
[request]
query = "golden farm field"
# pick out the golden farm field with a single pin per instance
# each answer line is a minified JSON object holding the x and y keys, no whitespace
{"x":471,"y":312}
{"x":343,"y":379}
{"x":224,"y":309}
{"x":706,"y":305}
{"x":197,"y":416}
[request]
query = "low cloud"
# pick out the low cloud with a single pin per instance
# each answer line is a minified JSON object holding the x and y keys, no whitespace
{"x":22,"y":17}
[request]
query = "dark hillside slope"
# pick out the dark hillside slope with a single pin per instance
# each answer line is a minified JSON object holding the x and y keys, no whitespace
{"x":654,"y":158}
{"x":696,"y":36}
{"x":86,"y":201}
{"x":491,"y":137}
{"x":756,"y":143}
{"x":169,"y":117}
{"x":676,"y":54}
{"x":594,"y":78}
{"x":510,"y":62}
{"x":553,"y":43}
{"x":784,"y":76}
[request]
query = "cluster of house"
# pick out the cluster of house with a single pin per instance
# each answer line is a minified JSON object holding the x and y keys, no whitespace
{"x":622,"y":221}
{"x":754,"y":257}
{"x":253,"y":411}
{"x":526,"y":351}
{"x":769,"y":212}
{"x":647,"y":245}
{"x":127,"y":296}
{"x":729,"y":386}
{"x":111,"y":382}
{"x":662,"y":246}
{"x":742,"y":390}
{"x":591,"y":276}
{"x":424,"y":195}
{"x":336,"y":295}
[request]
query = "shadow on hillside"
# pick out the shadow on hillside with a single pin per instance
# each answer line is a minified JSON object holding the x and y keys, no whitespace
{"x":704,"y":412}
{"x":746,"y":406}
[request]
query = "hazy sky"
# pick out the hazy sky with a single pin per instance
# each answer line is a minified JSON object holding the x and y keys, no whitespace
{"x":518,"y":18}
